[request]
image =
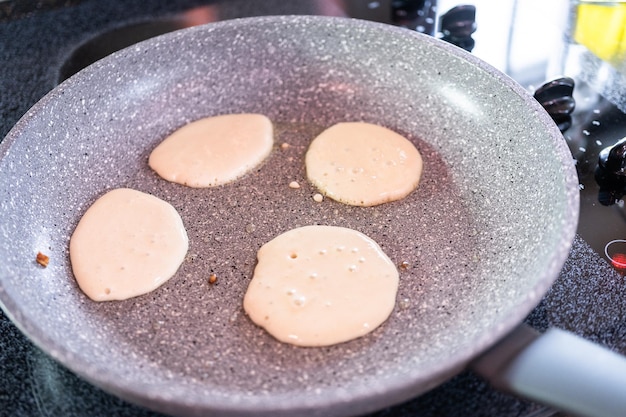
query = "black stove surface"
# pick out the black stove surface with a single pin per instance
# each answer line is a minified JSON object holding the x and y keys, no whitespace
{"x":596,"y":126}
{"x":40,"y":48}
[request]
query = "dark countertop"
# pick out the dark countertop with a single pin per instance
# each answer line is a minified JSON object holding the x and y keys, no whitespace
{"x":586,"y":299}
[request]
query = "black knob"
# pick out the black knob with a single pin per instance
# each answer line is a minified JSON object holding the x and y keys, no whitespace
{"x":611,"y":187}
{"x":557,"y":99}
{"x":613,"y":158}
{"x":610,"y":173}
{"x":457,"y":26}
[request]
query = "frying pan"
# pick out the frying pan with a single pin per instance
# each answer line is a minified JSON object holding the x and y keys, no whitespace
{"x":480,"y":241}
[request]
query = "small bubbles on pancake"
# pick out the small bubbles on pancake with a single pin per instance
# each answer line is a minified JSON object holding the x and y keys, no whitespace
{"x":112,"y":242}
{"x":315,"y":291}
{"x":363,"y":164}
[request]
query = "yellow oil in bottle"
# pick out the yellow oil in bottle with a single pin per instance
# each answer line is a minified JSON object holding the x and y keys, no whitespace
{"x":601,"y":27}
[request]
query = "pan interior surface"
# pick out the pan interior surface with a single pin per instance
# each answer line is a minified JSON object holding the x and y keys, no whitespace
{"x":477,"y":244}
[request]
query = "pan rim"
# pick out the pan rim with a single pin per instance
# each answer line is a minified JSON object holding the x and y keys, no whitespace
{"x":399,"y":388}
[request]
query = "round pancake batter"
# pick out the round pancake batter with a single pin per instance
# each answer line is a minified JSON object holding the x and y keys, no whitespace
{"x":126,"y":244}
{"x":321,"y":285}
{"x":363,"y":164}
{"x":214,"y":150}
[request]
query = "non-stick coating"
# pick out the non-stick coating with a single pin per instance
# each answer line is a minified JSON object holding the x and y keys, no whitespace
{"x":483,"y":236}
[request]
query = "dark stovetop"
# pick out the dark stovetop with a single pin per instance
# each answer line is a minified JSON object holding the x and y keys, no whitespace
{"x":586,"y":298}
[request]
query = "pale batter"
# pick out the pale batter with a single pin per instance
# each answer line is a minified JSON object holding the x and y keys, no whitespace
{"x":214,"y":150}
{"x":126,"y":244}
{"x":363,"y":164}
{"x":321,"y":285}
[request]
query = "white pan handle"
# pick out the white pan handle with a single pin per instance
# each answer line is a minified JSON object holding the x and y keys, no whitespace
{"x":558,"y":369}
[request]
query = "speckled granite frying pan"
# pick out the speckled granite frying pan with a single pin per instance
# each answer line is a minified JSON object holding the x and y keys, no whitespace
{"x":482,"y":238}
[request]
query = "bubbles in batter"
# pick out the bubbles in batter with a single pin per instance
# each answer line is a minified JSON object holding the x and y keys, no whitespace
{"x":126,"y":244}
{"x":321,"y":285}
{"x":214,"y":150}
{"x":363,"y":164}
